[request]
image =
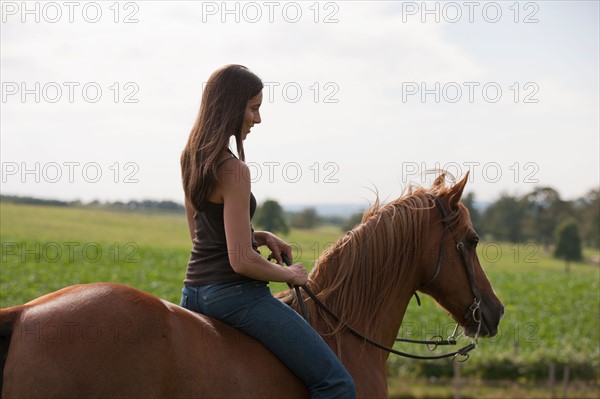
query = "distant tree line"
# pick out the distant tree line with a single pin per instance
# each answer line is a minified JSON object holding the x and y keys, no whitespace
{"x":37,"y":201}
{"x":536,"y":217}
{"x":170,"y":206}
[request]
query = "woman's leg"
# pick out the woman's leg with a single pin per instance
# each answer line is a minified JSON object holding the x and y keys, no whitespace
{"x":251,"y":308}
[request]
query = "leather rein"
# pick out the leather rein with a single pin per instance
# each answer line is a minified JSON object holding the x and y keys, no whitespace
{"x":474,"y":310}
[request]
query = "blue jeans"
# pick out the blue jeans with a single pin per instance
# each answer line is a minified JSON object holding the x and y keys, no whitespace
{"x":250,"y":307}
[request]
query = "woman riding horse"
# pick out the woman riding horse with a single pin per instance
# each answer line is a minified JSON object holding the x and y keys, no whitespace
{"x":226,"y":277}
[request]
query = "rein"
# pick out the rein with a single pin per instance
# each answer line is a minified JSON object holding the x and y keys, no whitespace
{"x":474,"y":310}
{"x":462,"y":351}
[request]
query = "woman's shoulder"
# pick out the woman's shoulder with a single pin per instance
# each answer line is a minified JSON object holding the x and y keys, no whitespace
{"x":230,"y":164}
{"x":232,"y":171}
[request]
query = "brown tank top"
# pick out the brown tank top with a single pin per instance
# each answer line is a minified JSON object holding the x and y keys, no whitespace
{"x":209,"y":258}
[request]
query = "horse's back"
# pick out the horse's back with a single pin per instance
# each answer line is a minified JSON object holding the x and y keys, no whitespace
{"x":109,"y":340}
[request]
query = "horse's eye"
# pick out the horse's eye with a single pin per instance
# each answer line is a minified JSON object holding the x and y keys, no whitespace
{"x":473,"y":241}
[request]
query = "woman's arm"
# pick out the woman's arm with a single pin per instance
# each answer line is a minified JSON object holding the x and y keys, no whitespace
{"x":235,"y":188}
{"x":189,"y":214}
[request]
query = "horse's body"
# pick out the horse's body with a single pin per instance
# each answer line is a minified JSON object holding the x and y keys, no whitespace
{"x":109,"y":340}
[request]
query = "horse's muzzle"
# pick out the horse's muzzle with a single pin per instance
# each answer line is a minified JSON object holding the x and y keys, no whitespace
{"x":490,"y":320}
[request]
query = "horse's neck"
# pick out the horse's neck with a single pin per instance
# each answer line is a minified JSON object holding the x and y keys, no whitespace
{"x":365,"y":362}
{"x":390,"y":319}
{"x":387,"y":321}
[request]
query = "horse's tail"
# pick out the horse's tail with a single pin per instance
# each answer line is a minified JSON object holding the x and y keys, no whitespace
{"x":8,"y":318}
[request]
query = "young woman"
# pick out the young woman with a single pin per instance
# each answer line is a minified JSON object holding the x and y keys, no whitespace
{"x":226,"y":277}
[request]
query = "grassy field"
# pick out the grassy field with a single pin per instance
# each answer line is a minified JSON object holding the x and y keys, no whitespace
{"x":550,"y":316}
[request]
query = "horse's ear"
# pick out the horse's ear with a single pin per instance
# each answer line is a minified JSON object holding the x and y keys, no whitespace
{"x":456,"y":191}
{"x":440,"y":181}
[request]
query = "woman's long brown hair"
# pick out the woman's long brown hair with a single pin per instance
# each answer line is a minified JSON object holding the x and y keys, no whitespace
{"x":221,"y":116}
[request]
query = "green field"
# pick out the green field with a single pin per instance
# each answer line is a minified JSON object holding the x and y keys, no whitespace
{"x":551,"y":316}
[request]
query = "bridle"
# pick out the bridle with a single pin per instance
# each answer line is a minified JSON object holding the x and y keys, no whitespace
{"x":474,"y":310}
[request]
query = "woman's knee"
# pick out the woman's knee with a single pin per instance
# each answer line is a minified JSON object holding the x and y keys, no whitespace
{"x":341,"y":386}
{"x":350,"y":386}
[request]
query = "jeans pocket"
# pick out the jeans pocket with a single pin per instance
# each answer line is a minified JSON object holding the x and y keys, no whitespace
{"x":184,"y":301}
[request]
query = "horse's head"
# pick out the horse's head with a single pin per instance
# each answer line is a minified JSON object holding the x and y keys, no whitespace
{"x":451,"y":273}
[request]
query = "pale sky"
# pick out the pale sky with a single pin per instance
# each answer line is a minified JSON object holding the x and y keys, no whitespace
{"x":359,"y":96}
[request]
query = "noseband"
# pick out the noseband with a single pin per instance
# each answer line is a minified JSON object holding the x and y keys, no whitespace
{"x":474,"y":310}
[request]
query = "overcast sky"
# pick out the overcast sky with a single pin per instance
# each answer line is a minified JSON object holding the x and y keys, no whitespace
{"x":98,"y":98}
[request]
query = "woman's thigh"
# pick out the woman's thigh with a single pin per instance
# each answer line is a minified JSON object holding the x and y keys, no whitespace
{"x":251,"y":308}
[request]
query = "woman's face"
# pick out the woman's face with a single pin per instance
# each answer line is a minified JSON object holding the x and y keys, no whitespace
{"x":252,"y":115}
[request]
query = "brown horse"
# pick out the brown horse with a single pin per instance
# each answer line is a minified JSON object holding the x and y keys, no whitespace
{"x":109,"y":340}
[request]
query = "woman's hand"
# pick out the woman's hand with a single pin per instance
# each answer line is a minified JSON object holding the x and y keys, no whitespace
{"x":299,"y":274}
{"x":275,"y":244}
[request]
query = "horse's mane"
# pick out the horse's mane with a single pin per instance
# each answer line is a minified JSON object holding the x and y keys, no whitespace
{"x":372,"y":262}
